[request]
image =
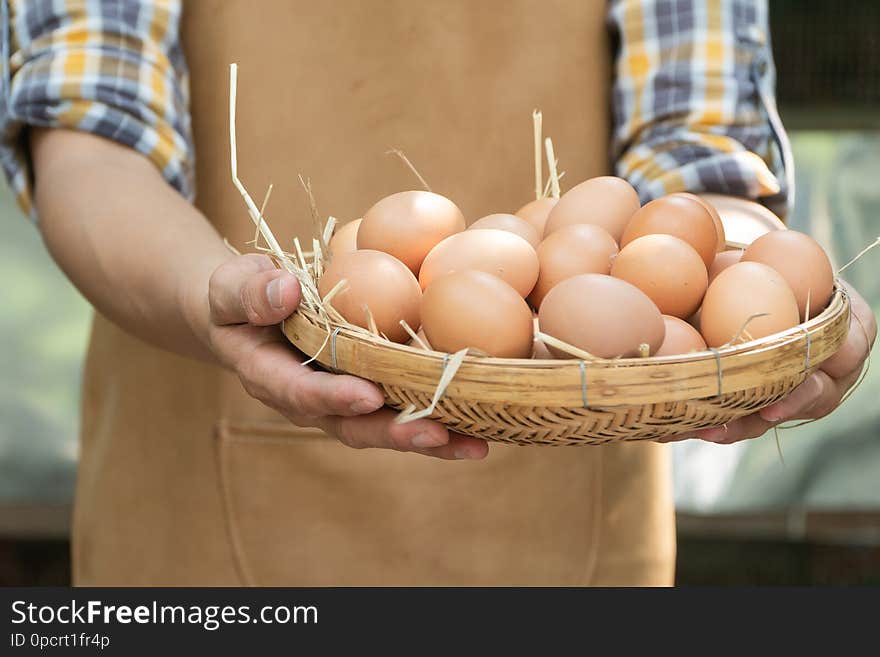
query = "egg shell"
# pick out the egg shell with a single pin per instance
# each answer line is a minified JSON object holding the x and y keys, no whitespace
{"x":744,"y":221}
{"x":536,"y":212}
{"x":409,"y":224}
{"x":604,"y":316}
{"x":801,"y":261}
{"x":722,"y":261}
{"x":569,"y":251}
{"x":665,"y":268}
{"x":679,"y":216}
{"x":512,"y":224}
{"x":739,"y":293}
{"x":378,"y":281}
{"x":681,"y":338}
{"x":496,"y":252}
{"x":721,"y":245}
{"x":473,"y":309}
{"x":344,"y":239}
{"x":606,"y":201}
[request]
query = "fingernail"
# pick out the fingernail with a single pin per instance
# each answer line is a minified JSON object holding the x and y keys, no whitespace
{"x":461,"y":453}
{"x":364,"y":406}
{"x":422,"y":440}
{"x":273,"y":291}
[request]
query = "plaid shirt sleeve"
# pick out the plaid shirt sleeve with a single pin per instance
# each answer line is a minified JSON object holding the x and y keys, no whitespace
{"x":693,"y":96}
{"x":114,"y":68}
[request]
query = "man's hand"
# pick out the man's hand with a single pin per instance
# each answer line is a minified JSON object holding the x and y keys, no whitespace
{"x":149,"y":261}
{"x":248,"y":297}
{"x":818,"y":395}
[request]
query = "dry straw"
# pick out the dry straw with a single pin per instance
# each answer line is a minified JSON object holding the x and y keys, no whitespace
{"x":583,"y":400}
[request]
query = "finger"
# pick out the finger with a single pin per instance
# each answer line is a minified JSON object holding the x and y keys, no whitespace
{"x":423,"y":436}
{"x":380,"y":430}
{"x":818,"y":389}
{"x":860,"y":338}
{"x":459,"y":447}
{"x":249,"y":289}
{"x":274,"y":374}
{"x":862,"y":310}
{"x":748,"y":426}
{"x":851,"y":354}
{"x":677,"y":438}
{"x":828,"y":402}
{"x":315,"y":394}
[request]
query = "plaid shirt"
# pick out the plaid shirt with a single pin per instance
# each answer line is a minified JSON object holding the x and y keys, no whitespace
{"x":693,"y":91}
{"x":110,"y":67}
{"x":694,"y":105}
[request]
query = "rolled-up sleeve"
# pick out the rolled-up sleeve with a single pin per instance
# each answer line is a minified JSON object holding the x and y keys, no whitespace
{"x":114,"y":68}
{"x":694,"y":106}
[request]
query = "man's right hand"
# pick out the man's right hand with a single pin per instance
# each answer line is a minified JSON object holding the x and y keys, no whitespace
{"x":248,"y":297}
{"x":143,"y":256}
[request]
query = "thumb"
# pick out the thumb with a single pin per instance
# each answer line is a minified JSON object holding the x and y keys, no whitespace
{"x":250,"y":289}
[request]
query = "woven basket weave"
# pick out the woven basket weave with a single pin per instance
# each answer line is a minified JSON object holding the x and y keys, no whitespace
{"x":573,"y":402}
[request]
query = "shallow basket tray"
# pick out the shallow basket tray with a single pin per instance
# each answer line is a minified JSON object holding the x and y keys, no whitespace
{"x":575,"y":402}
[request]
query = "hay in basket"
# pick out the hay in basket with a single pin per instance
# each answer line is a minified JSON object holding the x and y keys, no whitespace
{"x":582,"y":401}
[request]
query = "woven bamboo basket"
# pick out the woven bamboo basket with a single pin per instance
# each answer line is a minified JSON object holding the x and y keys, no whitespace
{"x":580,"y":402}
{"x":588,"y":401}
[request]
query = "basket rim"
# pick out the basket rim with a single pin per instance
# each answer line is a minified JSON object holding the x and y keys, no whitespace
{"x":840,"y":295}
{"x":700,"y":375}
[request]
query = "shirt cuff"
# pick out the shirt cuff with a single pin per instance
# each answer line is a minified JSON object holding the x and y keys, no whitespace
{"x":693,"y":97}
{"x":116,"y":74}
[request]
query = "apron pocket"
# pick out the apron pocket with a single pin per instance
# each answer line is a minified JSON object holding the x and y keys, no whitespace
{"x":304,"y":510}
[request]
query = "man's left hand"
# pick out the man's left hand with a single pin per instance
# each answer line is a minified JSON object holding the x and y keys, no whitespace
{"x":818,"y":395}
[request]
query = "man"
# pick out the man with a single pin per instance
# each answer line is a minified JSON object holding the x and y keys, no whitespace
{"x":184,"y":477}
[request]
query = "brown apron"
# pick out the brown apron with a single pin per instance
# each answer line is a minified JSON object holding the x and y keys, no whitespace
{"x":186,"y":480}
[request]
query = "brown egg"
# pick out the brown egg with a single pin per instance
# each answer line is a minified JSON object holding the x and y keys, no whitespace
{"x":344,"y":240}
{"x":801,"y":261}
{"x":512,"y":224}
{"x":716,"y":218}
{"x":604,"y":316}
{"x":381,"y":283}
{"x":722,"y":261}
{"x":569,"y":251}
{"x":474,"y":309}
{"x":497,"y":252}
{"x":605,"y":201}
{"x":739,"y":293}
{"x":665,"y":268}
{"x":681,"y":338}
{"x":536,"y":212}
{"x":744,"y":221}
{"x":694,"y":320}
{"x":679,"y":216}
{"x":409,"y":224}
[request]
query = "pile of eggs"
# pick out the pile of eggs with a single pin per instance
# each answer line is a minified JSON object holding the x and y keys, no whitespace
{"x":594,"y":269}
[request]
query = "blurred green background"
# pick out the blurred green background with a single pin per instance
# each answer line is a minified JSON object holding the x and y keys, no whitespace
{"x":832,"y":463}
{"x":44,"y":327}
